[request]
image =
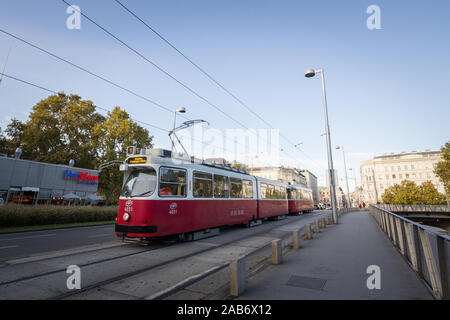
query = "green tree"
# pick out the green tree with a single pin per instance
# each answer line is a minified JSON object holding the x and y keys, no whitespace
{"x":430,"y":195}
{"x":59,"y":129}
{"x":442,"y":169}
{"x":405,"y":193}
{"x":409,"y":193}
{"x":114,"y":134}
{"x":64,"y":127}
{"x":13,"y":137}
{"x":241,"y":166}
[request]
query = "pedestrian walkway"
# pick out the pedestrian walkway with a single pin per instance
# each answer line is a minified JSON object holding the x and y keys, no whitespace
{"x":334,"y":266}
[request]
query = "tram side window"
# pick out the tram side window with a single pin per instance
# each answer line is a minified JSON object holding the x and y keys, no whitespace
{"x":276,"y":193}
{"x":269,"y":192}
{"x":172,"y":182}
{"x":272,"y":192}
{"x":236,"y":188}
{"x":282,"y":193}
{"x":221,"y":186}
{"x":202,"y":185}
{"x":248,"y":189}
{"x":263,"y":188}
{"x":292,"y":194}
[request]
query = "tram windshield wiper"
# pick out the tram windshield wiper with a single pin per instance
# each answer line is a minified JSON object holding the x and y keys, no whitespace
{"x":139,"y":195}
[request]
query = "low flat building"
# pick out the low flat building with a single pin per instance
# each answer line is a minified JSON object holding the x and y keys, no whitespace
{"x":31,"y":182}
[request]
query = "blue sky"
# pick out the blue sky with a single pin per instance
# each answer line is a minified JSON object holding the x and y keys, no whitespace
{"x":387,"y":89}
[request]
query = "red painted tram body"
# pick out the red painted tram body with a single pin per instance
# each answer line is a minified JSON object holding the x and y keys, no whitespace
{"x":163,"y":195}
{"x":300,"y":199}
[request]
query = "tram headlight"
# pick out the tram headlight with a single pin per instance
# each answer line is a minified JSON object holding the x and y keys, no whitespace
{"x":126,"y":216}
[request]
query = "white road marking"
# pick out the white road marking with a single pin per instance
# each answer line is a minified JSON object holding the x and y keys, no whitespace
{"x":101,"y":235}
{"x":30,"y":237}
{"x":7,"y":247}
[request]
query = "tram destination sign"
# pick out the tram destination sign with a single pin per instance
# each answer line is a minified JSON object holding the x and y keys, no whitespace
{"x":135,"y":160}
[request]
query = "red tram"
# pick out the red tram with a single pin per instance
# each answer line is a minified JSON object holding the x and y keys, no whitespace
{"x":166,"y":195}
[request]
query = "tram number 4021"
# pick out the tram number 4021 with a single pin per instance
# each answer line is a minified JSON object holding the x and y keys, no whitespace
{"x":247,"y":309}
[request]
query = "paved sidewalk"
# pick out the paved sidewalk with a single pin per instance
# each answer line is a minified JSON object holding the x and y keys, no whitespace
{"x":333,"y":266}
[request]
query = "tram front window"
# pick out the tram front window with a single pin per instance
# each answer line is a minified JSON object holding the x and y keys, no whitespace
{"x":141,"y":182}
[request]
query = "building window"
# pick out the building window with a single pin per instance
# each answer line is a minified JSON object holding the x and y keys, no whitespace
{"x":400,"y":176}
{"x":387,"y":177}
{"x":412,"y":167}
{"x":393,"y":176}
{"x":407,"y":176}
{"x":57,"y":196}
{"x":44,"y":196}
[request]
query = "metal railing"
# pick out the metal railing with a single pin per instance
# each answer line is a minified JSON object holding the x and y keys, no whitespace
{"x":413,"y":208}
{"x":426,"y":250}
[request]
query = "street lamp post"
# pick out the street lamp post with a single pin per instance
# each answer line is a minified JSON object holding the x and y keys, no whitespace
{"x":311,"y":73}
{"x":345,"y":170}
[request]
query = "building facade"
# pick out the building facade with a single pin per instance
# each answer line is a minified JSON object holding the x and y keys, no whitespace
{"x":325,"y":197}
{"x":311,"y":182}
{"x":286,"y":175}
{"x":384,"y":171}
{"x":31,"y":182}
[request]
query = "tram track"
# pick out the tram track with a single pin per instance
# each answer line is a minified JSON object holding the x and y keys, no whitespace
{"x":55,"y":276}
{"x":80,"y":265}
{"x":74,"y":293}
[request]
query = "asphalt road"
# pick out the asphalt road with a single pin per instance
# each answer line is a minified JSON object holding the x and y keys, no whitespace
{"x":22,"y":244}
{"x":19,"y":244}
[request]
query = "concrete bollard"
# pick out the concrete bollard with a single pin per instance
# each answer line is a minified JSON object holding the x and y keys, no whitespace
{"x":322,"y":222}
{"x":277,"y":251}
{"x":296,"y":239}
{"x":237,"y":276}
{"x":327,"y":219}
{"x":331,"y":219}
{"x":308,"y":232}
{"x":316,"y":226}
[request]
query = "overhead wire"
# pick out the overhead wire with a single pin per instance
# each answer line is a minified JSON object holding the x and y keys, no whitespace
{"x":96,"y":106}
{"x":158,"y":67}
{"x":208,"y":75}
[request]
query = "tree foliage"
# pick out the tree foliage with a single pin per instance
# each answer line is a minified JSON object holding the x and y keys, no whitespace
{"x":442,"y":169}
{"x":116,"y":133}
{"x":409,"y":193}
{"x":64,"y":127}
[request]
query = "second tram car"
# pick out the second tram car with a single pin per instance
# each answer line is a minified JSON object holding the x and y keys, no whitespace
{"x":300,"y":199}
{"x":166,"y":194}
